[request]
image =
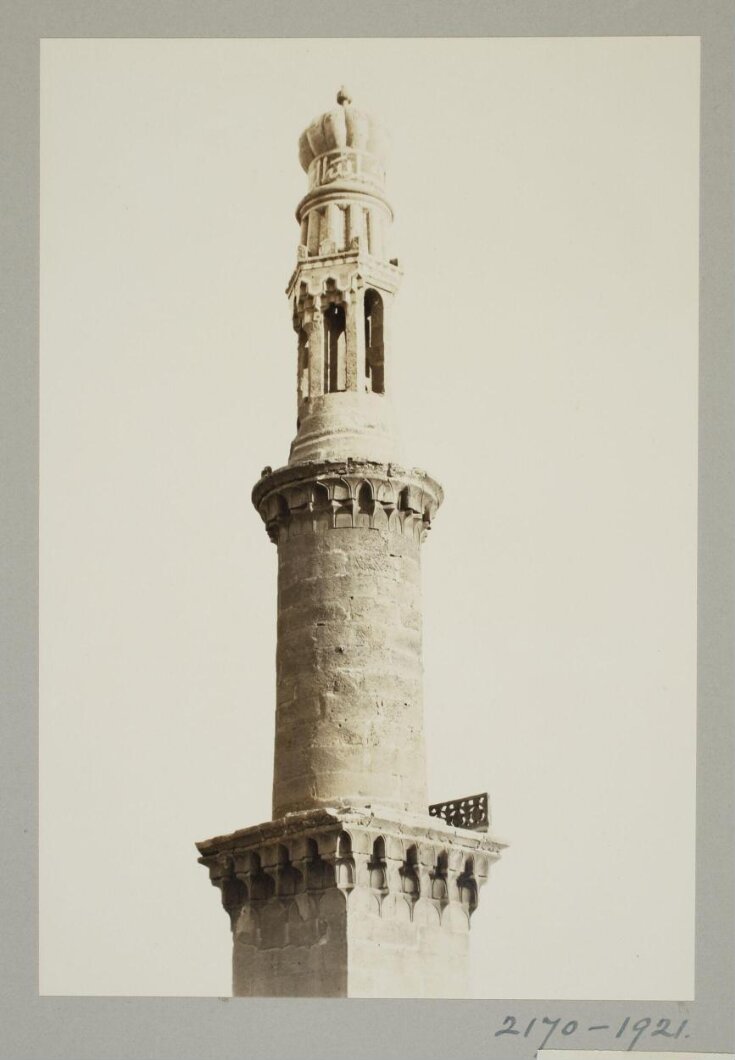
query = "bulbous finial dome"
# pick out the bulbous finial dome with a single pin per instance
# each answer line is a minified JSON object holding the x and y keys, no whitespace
{"x":344,"y":128}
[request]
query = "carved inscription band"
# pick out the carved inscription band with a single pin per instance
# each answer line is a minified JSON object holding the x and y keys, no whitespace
{"x":346,"y":164}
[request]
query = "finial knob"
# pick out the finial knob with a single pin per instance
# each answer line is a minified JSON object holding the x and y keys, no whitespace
{"x":343,"y":96}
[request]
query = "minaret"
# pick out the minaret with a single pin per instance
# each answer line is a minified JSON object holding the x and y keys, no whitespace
{"x":356,"y":888}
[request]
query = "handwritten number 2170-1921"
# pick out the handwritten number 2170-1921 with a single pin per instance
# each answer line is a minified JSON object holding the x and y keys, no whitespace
{"x":636,"y":1030}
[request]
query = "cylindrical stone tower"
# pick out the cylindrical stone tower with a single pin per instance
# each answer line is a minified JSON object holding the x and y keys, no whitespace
{"x":352,"y":841}
{"x":347,"y":519}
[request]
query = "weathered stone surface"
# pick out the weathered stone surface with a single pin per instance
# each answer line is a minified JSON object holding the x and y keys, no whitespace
{"x":353,"y":890}
{"x":350,"y":903}
{"x":349,"y":714}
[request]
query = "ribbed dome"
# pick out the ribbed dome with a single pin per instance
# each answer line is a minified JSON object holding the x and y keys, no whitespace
{"x":343,"y":127}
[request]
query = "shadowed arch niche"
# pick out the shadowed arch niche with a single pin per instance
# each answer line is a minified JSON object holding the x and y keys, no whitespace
{"x":334,"y":349}
{"x":374,"y":349}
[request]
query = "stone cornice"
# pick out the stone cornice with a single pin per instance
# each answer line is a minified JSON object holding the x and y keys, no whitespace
{"x":386,"y":822}
{"x":294,"y":474}
{"x":382,"y":863}
{"x":346,"y":265}
{"x":326,"y":494}
{"x":340,"y":190}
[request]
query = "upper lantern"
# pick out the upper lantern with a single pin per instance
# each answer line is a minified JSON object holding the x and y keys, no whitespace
{"x":344,"y":144}
{"x":341,"y":292}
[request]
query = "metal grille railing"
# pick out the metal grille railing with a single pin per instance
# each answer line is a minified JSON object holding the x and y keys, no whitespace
{"x":470,"y":812}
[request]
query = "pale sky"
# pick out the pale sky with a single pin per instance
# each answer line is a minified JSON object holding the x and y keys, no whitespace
{"x":545,"y":345}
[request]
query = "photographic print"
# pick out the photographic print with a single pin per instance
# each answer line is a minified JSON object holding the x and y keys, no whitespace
{"x":369,"y":412}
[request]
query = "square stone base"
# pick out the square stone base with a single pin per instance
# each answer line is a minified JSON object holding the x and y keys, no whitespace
{"x":350,"y":903}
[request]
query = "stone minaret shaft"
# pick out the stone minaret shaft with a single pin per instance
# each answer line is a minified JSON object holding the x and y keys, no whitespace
{"x":352,"y":889}
{"x":347,"y":520}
